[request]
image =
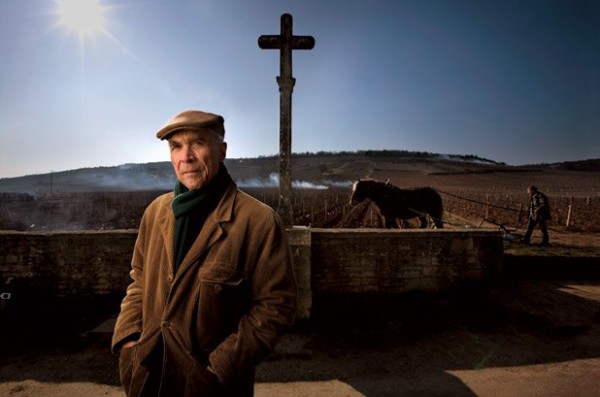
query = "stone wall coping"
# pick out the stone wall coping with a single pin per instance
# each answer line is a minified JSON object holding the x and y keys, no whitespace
{"x":426,"y":232}
{"x":66,"y":232}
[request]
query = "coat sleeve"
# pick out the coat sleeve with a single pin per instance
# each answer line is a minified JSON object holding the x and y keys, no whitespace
{"x":129,"y":322}
{"x":272,"y":310}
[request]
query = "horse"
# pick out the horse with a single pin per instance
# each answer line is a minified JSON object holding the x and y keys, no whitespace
{"x":394,"y":203}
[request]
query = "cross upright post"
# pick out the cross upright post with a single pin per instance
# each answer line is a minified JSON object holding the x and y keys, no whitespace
{"x":285,"y":42}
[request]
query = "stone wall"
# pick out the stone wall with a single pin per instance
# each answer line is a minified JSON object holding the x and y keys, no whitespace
{"x":392,"y":261}
{"x":68,"y":263}
{"x":84,"y":264}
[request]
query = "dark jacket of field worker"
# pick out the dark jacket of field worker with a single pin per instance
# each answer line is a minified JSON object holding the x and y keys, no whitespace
{"x":539,"y":213}
{"x":538,"y":206}
{"x":220,"y":313}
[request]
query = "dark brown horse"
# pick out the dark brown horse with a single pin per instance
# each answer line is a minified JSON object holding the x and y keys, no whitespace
{"x":394,"y":203}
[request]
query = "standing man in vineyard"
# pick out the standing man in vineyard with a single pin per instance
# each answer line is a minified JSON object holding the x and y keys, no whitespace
{"x":213,"y":287}
{"x":539,"y":213}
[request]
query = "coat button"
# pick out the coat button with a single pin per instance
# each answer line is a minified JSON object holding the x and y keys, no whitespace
{"x":218,"y":288}
{"x":165,"y":324}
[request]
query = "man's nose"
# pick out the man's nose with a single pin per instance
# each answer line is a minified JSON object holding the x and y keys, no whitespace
{"x":188,"y":154}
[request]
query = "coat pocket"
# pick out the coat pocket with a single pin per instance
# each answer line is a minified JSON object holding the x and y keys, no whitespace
{"x":223,"y":299}
{"x":201,"y":382}
{"x":220,"y":273}
{"x":126,"y":366}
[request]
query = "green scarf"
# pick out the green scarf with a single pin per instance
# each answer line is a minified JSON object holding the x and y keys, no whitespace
{"x":192,"y":207}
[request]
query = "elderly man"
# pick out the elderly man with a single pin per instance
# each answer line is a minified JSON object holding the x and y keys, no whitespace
{"x":213,"y":287}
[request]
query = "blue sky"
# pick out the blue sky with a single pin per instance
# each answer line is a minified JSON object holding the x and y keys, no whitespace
{"x":513,"y":81}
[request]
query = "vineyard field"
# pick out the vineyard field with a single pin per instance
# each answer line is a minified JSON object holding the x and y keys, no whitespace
{"x":471,"y":192}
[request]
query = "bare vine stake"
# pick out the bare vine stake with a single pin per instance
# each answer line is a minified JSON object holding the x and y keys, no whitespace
{"x":569,"y":215}
{"x":519,"y":214}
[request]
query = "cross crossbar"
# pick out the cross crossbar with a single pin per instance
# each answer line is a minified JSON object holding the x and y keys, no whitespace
{"x":275,"y":42}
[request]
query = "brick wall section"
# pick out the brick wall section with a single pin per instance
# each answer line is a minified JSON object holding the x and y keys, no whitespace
{"x":392,"y":261}
{"x":86,"y":263}
{"x":90,"y":263}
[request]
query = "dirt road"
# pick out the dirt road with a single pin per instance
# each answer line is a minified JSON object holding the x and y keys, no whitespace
{"x":519,"y":338}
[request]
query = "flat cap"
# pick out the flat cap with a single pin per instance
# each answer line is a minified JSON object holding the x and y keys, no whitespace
{"x":195,"y":120}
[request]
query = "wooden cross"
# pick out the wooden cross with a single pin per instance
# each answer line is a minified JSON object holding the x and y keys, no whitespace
{"x":285,"y":42}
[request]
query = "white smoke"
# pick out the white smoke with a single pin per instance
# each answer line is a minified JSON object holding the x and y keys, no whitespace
{"x":273,"y":181}
{"x":337,"y":183}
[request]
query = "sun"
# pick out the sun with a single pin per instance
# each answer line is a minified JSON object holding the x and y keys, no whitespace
{"x":85,"y":18}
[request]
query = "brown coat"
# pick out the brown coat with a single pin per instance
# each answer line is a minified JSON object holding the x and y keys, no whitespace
{"x":226,"y":307}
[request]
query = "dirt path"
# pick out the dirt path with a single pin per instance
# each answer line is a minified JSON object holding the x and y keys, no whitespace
{"x":521,"y":338}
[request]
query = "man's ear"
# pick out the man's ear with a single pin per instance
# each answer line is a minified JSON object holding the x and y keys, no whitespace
{"x":223,"y":150}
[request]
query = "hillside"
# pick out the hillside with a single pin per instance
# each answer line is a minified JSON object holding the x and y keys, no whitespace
{"x":321,"y":167}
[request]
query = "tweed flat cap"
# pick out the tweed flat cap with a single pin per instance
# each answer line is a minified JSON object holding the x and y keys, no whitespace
{"x":193,"y":119}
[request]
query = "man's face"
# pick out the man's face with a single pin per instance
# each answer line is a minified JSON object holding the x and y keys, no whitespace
{"x":195,"y":155}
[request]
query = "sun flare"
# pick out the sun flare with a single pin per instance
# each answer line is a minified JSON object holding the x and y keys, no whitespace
{"x":85,"y":18}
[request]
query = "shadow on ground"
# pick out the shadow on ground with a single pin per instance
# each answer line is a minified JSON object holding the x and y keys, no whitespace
{"x":379,"y":345}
